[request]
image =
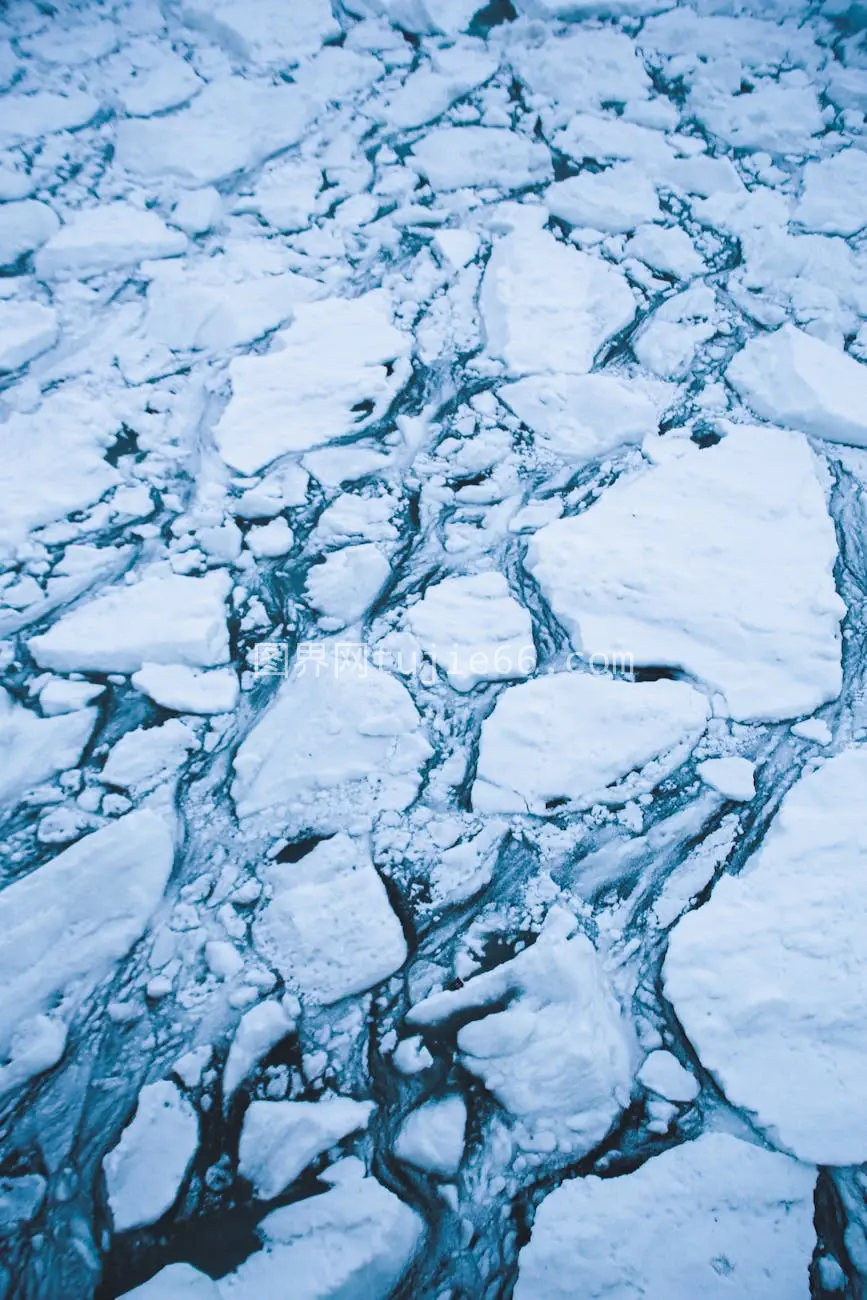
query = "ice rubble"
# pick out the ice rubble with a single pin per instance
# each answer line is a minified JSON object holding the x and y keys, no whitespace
{"x":714,"y":1217}
{"x":328,"y":926}
{"x":145,"y":1170}
{"x":64,"y":927}
{"x":661,"y":568}
{"x":341,"y":740}
{"x":528,"y":757}
{"x":559,"y":1055}
{"x":768,"y":978}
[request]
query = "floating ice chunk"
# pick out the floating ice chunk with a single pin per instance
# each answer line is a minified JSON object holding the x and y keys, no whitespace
{"x":608,"y":139}
{"x":144,"y":1172}
{"x":668,"y":249}
{"x":59,"y":696}
{"x":212,"y":306}
{"x":733,"y":777}
{"x":270,"y":540}
{"x":429,"y":91}
{"x":571,"y":11}
{"x":411,"y":1056}
{"x":667,"y":348}
{"x":176,"y":1282}
{"x":27,"y":116}
{"x":197,"y":211}
{"x":330,"y":373}
{"x":581,"y":416}
{"x":768,"y":978}
{"x":147,"y":756}
{"x":453,"y":157}
{"x":341,"y":735}
{"x":458,"y":247}
{"x":796,"y":379}
{"x":432,"y":1137}
{"x":617,"y":199}
{"x":286,"y":194}
{"x":106,"y":238}
{"x":358,"y":1239}
{"x":352,"y":515}
{"x":548,"y":307}
{"x":559,"y":1057}
{"x":347,"y":582}
{"x":35,"y":748}
{"x":26,"y":330}
{"x":328,"y":926}
{"x":64,"y":926}
{"x":813,"y":729}
{"x":183,"y":689}
{"x":568,"y":738}
{"x":148,"y":77}
{"x":72,"y":43}
{"x":776,"y":118}
{"x":583,"y":69}
{"x":834,"y":199}
{"x":663,"y":1074}
{"x":162,"y":618}
{"x":754,"y":613}
{"x":475,"y":630}
{"x":334,"y":466}
{"x":24,"y":226}
{"x":716,"y":1217}
{"x":259,"y":1030}
{"x":265,"y":32}
{"x":232,"y":126}
{"x":280,"y":1138}
{"x":37,"y":485}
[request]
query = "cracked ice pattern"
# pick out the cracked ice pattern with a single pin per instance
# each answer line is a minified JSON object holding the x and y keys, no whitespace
{"x":432,"y":502}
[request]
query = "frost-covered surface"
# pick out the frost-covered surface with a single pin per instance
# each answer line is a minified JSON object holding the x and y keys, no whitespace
{"x":432,"y":604}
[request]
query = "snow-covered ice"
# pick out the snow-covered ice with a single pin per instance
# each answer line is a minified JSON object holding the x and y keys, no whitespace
{"x":715,"y":1217}
{"x":529,"y":760}
{"x":328,"y":926}
{"x":144,"y":1172}
{"x":768,"y":977}
{"x":431,"y":648}
{"x":661,"y":569}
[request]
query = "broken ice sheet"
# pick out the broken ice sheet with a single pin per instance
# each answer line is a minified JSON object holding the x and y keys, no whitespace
{"x":423,"y":344}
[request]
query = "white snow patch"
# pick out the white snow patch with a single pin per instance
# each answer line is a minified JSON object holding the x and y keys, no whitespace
{"x":663,"y":1074}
